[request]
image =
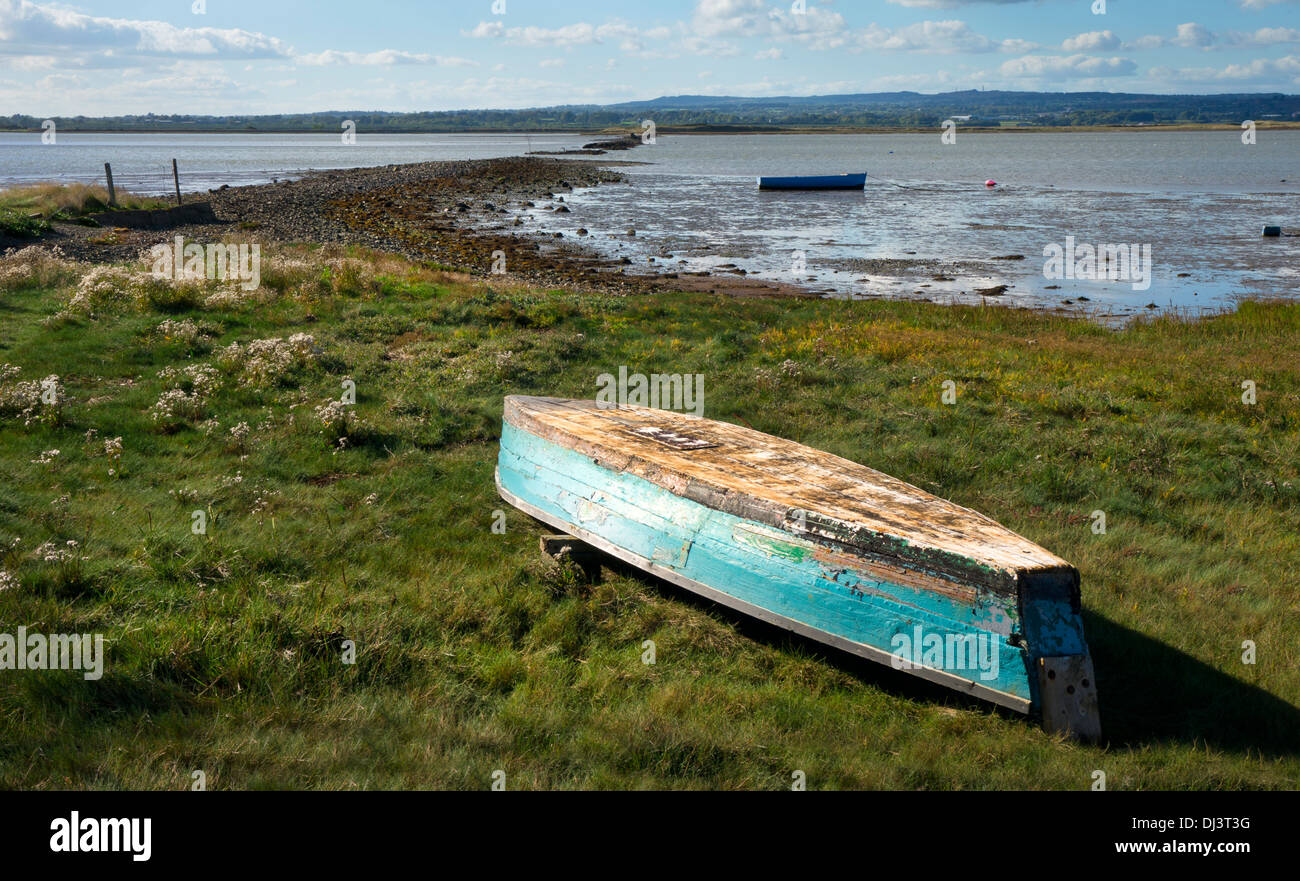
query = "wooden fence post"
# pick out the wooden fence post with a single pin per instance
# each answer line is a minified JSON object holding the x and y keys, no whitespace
{"x":176,"y":179}
{"x":112,"y":193}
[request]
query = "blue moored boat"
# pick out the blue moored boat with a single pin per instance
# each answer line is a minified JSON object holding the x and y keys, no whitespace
{"x":813,"y":543}
{"x":815,"y":182}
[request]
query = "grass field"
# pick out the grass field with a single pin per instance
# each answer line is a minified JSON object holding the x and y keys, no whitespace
{"x":373,"y":524}
{"x":28,"y":210}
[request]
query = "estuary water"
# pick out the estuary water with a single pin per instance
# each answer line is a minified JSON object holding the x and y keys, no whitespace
{"x":1195,"y":202}
{"x":1187,"y":207}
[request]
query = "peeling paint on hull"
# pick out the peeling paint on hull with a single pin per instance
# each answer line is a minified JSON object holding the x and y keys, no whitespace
{"x":808,"y":570}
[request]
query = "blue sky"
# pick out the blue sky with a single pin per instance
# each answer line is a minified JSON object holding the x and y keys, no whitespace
{"x":236,"y":56}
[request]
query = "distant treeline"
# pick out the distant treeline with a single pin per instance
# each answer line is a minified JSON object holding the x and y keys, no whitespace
{"x":903,"y":110}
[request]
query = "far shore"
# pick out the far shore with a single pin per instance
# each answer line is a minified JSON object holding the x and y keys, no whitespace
{"x":704,"y":130}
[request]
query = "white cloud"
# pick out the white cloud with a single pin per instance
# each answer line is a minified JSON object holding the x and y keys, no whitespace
{"x":1263,"y":73}
{"x":1017,"y":46}
{"x":192,"y":88}
{"x":1263,"y":70}
{"x":158,"y":66}
{"x":1093,"y":41}
{"x":1189,"y":36}
{"x":1151,"y":42}
{"x":754,"y":18}
{"x":28,"y":28}
{"x":502,"y":92}
{"x":1194,"y":36}
{"x":734,"y":18}
{"x":486,"y":30}
{"x":938,"y":80}
{"x":1051,"y":67}
{"x":385,"y":57}
{"x":578,"y":34}
{"x":1264,"y":37}
{"x":936,"y":37}
{"x":710,"y":46}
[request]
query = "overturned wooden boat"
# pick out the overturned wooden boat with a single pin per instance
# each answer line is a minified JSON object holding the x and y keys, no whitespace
{"x":815,"y":182}
{"x":813,"y":543}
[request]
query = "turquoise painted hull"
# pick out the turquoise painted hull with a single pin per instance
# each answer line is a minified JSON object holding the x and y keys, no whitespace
{"x":989,"y":648}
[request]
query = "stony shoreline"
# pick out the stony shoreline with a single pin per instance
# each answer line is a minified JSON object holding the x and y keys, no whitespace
{"x":457,"y":214}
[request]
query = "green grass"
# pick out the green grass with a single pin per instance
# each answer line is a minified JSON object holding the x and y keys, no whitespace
{"x":22,"y":223}
{"x":28,"y":210}
{"x":474,"y":654}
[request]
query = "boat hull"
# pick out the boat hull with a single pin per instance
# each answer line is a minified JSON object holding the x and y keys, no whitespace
{"x":992,"y":646}
{"x":814,"y":182}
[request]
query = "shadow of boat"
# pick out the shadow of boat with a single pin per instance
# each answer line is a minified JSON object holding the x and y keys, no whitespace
{"x":1149,"y":692}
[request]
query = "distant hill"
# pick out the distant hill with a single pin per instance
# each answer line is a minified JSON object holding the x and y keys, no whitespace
{"x":1044,"y":108}
{"x":901,"y":110}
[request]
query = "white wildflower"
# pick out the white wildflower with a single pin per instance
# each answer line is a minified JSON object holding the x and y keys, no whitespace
{"x":265,"y":362}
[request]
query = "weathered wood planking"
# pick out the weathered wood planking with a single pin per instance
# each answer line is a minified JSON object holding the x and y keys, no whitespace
{"x":771,"y":479}
{"x":809,"y":541}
